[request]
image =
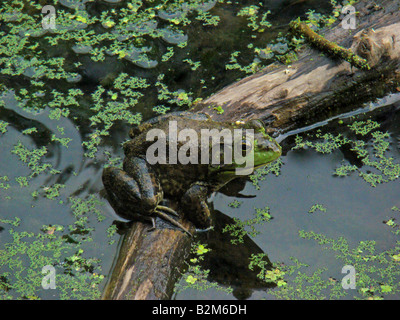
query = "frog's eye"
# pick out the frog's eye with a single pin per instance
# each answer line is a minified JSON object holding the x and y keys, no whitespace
{"x":246,"y":147}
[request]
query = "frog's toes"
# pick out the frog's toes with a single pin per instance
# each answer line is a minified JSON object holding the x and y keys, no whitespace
{"x":167,"y":218}
{"x":167,"y":209}
{"x":153,"y":224}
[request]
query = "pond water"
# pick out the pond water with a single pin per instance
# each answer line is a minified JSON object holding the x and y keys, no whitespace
{"x":350,"y":207}
{"x":69,"y":96}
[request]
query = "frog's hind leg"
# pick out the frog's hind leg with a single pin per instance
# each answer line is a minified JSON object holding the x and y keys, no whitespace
{"x":150,"y":190}
{"x":127,"y":196}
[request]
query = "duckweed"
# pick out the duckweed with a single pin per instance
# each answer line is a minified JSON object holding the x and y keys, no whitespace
{"x":267,"y":273}
{"x":240,"y":228}
{"x":195,"y":277}
{"x":377,"y":167}
{"x":316,"y":207}
{"x":32,"y":158}
{"x":22,"y":260}
{"x":261,"y":174}
{"x":376,"y":271}
{"x":3,"y":126}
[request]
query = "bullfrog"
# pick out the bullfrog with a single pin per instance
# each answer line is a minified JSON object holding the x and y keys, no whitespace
{"x":137,"y":191}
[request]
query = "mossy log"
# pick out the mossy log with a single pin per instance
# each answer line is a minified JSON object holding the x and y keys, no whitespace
{"x":320,"y":84}
{"x":313,"y":88}
{"x":326,"y":46}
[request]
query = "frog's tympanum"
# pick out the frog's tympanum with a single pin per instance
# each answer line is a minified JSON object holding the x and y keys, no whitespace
{"x":137,"y":191}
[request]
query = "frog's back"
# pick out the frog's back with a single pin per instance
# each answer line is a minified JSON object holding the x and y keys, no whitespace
{"x":170,"y":127}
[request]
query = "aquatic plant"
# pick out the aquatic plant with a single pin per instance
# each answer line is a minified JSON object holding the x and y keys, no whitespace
{"x":316,"y":207}
{"x":241,"y":228}
{"x":377,"y":168}
{"x":377,"y":273}
{"x":261,"y":173}
{"x":267,"y":273}
{"x":22,"y":261}
{"x":195,"y":277}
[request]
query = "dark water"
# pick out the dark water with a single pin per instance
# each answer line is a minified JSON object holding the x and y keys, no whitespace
{"x":355,"y":210}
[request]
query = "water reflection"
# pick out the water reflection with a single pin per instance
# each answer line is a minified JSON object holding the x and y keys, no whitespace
{"x":229,"y":263}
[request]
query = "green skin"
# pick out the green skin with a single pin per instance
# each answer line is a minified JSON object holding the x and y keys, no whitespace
{"x":136,"y":192}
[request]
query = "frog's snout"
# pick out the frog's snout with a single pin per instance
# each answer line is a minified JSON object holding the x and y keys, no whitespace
{"x":271,"y":146}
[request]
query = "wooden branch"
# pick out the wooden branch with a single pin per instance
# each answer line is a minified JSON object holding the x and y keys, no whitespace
{"x":148,"y":263}
{"x":326,"y":46}
{"x":284,"y":97}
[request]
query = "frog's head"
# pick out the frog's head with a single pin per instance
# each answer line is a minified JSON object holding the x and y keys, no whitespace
{"x":252,"y":148}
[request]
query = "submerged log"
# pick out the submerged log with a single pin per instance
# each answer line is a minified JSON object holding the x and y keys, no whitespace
{"x":314,"y":86}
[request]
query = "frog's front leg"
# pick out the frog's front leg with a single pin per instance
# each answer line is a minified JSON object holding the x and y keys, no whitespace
{"x":195,"y":206}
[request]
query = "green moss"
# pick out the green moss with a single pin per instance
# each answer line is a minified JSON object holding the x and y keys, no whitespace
{"x":326,"y":46}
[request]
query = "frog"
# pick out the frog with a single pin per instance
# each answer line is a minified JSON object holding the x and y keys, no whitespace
{"x":138,"y":191}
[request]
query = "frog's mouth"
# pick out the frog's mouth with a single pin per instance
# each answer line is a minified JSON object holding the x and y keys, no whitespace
{"x":266,"y":152}
{"x":232,"y":170}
